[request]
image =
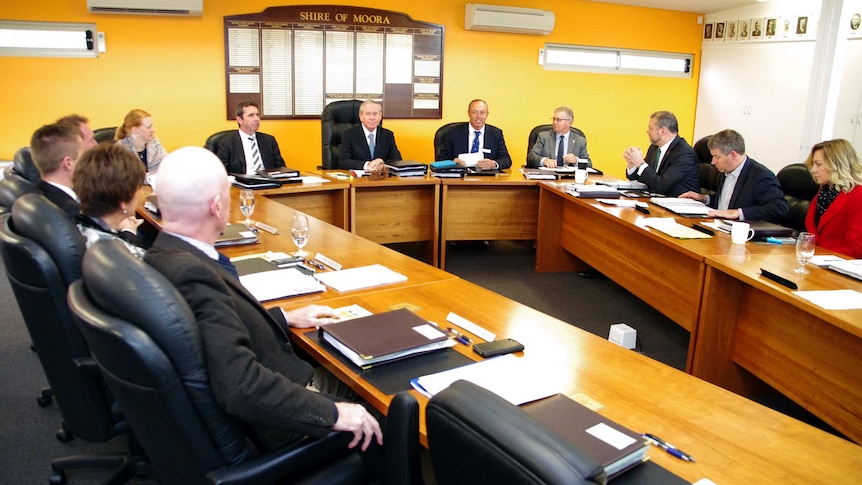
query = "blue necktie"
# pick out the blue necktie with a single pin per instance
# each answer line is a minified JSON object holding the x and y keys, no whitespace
{"x":371,"y":145}
{"x":475,"y":147}
{"x":225,"y":263}
{"x":561,"y":150}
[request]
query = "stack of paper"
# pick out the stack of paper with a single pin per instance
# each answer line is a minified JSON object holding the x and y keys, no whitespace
{"x":282,"y":283}
{"x":683,"y":207}
{"x":849,"y":267}
{"x":592,"y":191}
{"x":508,"y":376}
{"x":536,"y":174}
{"x":361,"y":277}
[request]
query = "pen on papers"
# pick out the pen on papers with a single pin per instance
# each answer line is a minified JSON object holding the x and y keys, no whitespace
{"x":778,"y":279}
{"x":671,"y":449}
{"x":316,"y":264}
{"x":642,"y":209}
{"x":702,"y":229}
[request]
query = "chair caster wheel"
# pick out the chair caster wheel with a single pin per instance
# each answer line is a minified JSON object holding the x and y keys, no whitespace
{"x":64,"y":435}
{"x":44,"y":401}
{"x":57,"y":478}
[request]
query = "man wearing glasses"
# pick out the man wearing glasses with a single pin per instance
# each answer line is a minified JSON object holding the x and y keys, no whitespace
{"x":561,"y":146}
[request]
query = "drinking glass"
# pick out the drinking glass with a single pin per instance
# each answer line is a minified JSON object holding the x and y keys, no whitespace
{"x":804,"y":250}
{"x":299,"y":232}
{"x":246,"y":205}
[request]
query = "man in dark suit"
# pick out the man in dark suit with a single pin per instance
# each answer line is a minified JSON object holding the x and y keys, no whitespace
{"x":249,"y":151}
{"x":55,"y":150}
{"x":748,"y":190}
{"x":253,"y":370}
{"x":546,"y":152}
{"x":477,"y":137}
{"x":670,"y":166}
{"x":368,"y":146}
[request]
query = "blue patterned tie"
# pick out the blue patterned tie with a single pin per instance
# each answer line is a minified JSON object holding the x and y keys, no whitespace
{"x":371,"y":145}
{"x":225,"y":263}
{"x":475,"y":147}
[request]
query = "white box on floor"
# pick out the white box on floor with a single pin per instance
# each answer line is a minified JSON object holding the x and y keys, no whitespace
{"x":623,"y":335}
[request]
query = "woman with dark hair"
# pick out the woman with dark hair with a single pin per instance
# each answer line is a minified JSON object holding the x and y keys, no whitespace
{"x":835,"y":214}
{"x":137,"y":134}
{"x":108,"y":181}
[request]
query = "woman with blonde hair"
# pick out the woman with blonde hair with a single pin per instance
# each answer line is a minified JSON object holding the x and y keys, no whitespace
{"x":138,"y":136}
{"x":835,"y":214}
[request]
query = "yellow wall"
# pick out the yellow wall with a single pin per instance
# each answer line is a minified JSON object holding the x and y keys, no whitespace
{"x":174,"y":68}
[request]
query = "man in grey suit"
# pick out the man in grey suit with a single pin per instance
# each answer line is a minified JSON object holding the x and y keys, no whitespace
{"x":254,"y":373}
{"x":548,"y":151}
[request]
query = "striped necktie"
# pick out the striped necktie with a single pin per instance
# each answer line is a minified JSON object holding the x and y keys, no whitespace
{"x":257,"y":163}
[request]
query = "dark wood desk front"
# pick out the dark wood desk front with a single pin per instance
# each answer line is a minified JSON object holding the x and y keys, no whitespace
{"x":733,"y":439}
{"x":327,"y":201}
{"x":753,"y":326}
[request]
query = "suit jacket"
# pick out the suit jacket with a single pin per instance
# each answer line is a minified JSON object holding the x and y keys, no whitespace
{"x":232,"y":155}
{"x":355,"y":152}
{"x":253,"y":371}
{"x":757,"y":192}
{"x":546,"y":146}
{"x":60,"y":198}
{"x":840,"y":227}
{"x":677,"y":174}
{"x":459,"y":140}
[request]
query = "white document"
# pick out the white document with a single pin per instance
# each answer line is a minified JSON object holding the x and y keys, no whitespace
{"x":361,"y":277}
{"x":471,"y":159}
{"x":624,"y":184}
{"x":681,"y":206}
{"x":669,"y":226}
{"x":824,"y":260}
{"x":313,"y":179}
{"x":282,"y":283}
{"x":507,"y":376}
{"x":833,"y":299}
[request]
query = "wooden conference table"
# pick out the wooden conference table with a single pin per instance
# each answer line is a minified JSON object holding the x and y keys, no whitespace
{"x":712,"y":288}
{"x":733,"y":439}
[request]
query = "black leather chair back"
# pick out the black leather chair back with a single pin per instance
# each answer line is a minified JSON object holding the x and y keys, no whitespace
{"x":144,"y":338}
{"x":212,"y":142}
{"x":13,"y":186}
{"x":440,"y":136}
{"x":503,"y":443}
{"x":42,"y":250}
{"x":23,"y":165}
{"x":709,"y":176}
{"x":103,"y":135}
{"x":337,"y":117}
{"x":534,"y":134}
{"x":799,"y":190}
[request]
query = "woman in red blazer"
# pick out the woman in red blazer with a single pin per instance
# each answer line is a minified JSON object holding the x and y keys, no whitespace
{"x":835,"y":214}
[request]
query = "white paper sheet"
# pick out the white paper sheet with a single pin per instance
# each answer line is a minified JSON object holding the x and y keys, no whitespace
{"x":833,"y":299}
{"x":361,"y":277}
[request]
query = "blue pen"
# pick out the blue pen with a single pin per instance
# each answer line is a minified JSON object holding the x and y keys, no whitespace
{"x":459,"y":337}
{"x":672,"y":450}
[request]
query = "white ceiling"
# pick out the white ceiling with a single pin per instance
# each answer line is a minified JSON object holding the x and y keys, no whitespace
{"x":699,"y":6}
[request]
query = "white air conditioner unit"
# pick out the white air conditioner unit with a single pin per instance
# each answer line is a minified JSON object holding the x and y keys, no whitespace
{"x":495,"y":18}
{"x":147,"y":7}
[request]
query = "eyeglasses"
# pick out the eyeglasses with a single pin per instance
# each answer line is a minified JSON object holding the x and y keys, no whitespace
{"x":561,"y":119}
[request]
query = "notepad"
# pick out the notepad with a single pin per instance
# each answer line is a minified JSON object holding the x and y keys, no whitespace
{"x":361,"y":277}
{"x":282,"y":283}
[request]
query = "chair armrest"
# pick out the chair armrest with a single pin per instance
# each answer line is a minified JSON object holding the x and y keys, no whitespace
{"x":86,"y":366}
{"x":305,"y":456}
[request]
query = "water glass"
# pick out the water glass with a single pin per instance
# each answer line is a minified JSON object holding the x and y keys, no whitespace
{"x":804,"y":250}
{"x":246,"y":205}
{"x":299,"y":232}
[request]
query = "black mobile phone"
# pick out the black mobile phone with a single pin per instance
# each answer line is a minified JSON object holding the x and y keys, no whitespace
{"x":498,"y":347}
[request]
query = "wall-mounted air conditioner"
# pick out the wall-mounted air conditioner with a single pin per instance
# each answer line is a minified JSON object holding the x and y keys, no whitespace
{"x":495,"y":18}
{"x":147,"y":7}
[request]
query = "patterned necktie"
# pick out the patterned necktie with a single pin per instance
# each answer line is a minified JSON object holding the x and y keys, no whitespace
{"x":257,"y":163}
{"x":371,"y":145}
{"x":726,"y":191}
{"x":475,"y":147}
{"x":225,"y":263}
{"x":561,"y":150}
{"x":657,"y":159}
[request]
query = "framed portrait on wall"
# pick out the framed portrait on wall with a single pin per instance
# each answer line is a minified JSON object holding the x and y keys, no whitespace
{"x":743,"y":29}
{"x":802,"y":25}
{"x":757,"y":29}
{"x":719,"y":31}
{"x":771,"y":26}
{"x":707,"y":33}
{"x":856,"y":24}
{"x":786,"y":26}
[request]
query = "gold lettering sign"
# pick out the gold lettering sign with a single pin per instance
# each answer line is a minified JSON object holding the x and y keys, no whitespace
{"x":314,"y":16}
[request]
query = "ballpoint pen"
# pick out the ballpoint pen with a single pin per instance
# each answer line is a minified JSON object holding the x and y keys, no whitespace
{"x":460,"y":337}
{"x":672,"y":450}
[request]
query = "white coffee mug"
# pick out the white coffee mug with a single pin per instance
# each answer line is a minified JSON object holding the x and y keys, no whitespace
{"x":740,"y":232}
{"x":580,"y":176}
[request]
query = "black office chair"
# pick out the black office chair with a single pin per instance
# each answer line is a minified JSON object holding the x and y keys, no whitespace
{"x":144,"y":339}
{"x":23,"y":166}
{"x":42,"y":250}
{"x":103,"y":135}
{"x":475,"y":436}
{"x":441,"y":134}
{"x":12,"y":186}
{"x":213,"y":140}
{"x":709,"y":176}
{"x":337,"y":117}
{"x":799,"y":190}
{"x":534,"y":134}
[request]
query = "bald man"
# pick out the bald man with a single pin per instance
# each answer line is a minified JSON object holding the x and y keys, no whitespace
{"x":253,"y":370}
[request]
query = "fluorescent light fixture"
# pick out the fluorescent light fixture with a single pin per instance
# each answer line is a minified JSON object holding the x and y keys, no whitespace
{"x":47,"y":39}
{"x":563,"y":57}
